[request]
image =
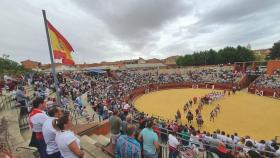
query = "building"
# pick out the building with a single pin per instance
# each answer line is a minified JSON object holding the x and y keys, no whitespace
{"x":135,"y":61}
{"x":142,"y":66}
{"x":85,"y":65}
{"x":153,"y":61}
{"x":261,"y":54}
{"x":29,"y":64}
{"x":58,"y":67}
{"x":170,"y":60}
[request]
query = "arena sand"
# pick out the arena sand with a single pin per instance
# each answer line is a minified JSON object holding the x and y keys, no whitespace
{"x":244,"y":113}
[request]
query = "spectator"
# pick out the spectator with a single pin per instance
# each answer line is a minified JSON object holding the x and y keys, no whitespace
{"x":127,"y":146}
{"x":21,"y":99}
{"x":150,"y":141}
{"x":173,"y":145}
{"x":49,"y":132}
{"x":277,"y":153}
{"x":68,"y":144}
{"x":125,"y":123}
{"x":221,"y":151}
{"x":185,"y":136}
{"x":115,"y":122}
{"x":37,"y":118}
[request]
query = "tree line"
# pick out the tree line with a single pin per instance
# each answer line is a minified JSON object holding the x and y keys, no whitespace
{"x":10,"y":67}
{"x":212,"y":57}
{"x":275,"y":51}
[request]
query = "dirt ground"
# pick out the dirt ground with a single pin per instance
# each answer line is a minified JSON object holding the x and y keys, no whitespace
{"x":244,"y":113}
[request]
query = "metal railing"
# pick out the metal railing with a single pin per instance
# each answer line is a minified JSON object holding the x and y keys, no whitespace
{"x":4,"y":135}
{"x":33,"y":150}
{"x":6,"y":102}
{"x":192,"y":148}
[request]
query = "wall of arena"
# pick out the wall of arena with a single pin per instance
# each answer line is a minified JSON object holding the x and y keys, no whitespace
{"x":155,"y":87}
{"x":270,"y":92}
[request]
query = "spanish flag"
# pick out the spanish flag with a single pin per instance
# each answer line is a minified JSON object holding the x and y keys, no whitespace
{"x":60,"y":46}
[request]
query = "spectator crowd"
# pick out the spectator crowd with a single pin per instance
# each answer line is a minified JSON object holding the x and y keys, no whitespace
{"x":133,"y":133}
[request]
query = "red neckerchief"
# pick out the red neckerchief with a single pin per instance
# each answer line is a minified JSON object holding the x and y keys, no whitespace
{"x":32,"y":113}
{"x":38,"y":135}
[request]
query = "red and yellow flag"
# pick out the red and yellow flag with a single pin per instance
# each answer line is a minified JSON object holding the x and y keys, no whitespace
{"x":61,"y":47}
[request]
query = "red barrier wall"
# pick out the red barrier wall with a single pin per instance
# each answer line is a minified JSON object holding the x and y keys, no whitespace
{"x":102,"y":128}
{"x":266,"y":91}
{"x":155,"y":87}
{"x":272,"y":65}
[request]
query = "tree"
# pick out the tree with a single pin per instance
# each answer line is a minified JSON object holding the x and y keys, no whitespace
{"x":180,"y":61}
{"x":10,"y":67}
{"x":275,"y":51}
{"x":222,"y":56}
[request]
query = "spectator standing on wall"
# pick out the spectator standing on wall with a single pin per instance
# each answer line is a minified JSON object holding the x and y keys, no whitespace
{"x":150,"y":141}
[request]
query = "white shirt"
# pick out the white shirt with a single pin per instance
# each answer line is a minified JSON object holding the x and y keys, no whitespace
{"x":63,"y":140}
{"x":219,"y":136}
{"x":126,"y":106}
{"x":277,"y":153}
{"x":173,"y":141}
{"x":49,"y":104}
{"x":38,"y":120}
{"x":236,"y":139}
{"x":49,"y":136}
{"x":260,"y":146}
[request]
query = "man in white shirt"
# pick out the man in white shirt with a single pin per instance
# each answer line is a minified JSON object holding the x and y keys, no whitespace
{"x":277,"y":153}
{"x":173,"y":144}
{"x":36,"y":118}
{"x":49,"y":132}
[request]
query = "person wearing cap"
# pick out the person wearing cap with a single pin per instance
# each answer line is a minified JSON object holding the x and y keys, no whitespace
{"x":150,"y":140}
{"x":37,"y":118}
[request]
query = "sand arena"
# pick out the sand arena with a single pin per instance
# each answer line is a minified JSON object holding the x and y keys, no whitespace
{"x":244,"y":113}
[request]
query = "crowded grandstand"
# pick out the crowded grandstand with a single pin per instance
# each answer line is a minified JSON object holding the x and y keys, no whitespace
{"x":109,"y":96}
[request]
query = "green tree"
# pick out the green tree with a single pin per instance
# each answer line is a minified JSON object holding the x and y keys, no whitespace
{"x":180,"y":61}
{"x":275,"y":51}
{"x":10,"y":67}
{"x":222,"y":56}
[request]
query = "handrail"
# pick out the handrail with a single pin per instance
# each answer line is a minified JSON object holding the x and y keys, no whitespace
{"x":202,"y":145}
{"x":27,"y":148}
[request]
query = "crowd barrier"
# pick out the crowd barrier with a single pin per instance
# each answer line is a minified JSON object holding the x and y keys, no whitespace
{"x":262,"y":91}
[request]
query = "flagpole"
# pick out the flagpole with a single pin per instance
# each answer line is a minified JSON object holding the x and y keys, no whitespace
{"x":58,"y":101}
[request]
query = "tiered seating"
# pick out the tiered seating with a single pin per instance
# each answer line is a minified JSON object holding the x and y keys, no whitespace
{"x":267,"y":81}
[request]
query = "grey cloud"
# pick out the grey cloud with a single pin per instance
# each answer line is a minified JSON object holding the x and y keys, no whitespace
{"x":135,"y":22}
{"x":123,"y":29}
{"x":236,"y":11}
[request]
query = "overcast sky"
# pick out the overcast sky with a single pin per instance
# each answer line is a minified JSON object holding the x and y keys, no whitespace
{"x":110,"y":30}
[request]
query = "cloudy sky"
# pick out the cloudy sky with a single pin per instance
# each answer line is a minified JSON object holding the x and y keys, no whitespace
{"x":109,"y":30}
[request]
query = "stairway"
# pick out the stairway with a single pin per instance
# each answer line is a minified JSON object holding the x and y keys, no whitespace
{"x":93,"y":146}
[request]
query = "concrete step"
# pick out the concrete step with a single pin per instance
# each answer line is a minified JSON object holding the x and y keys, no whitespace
{"x":100,"y":139}
{"x":28,"y":154}
{"x":14,"y":134}
{"x":89,"y":146}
